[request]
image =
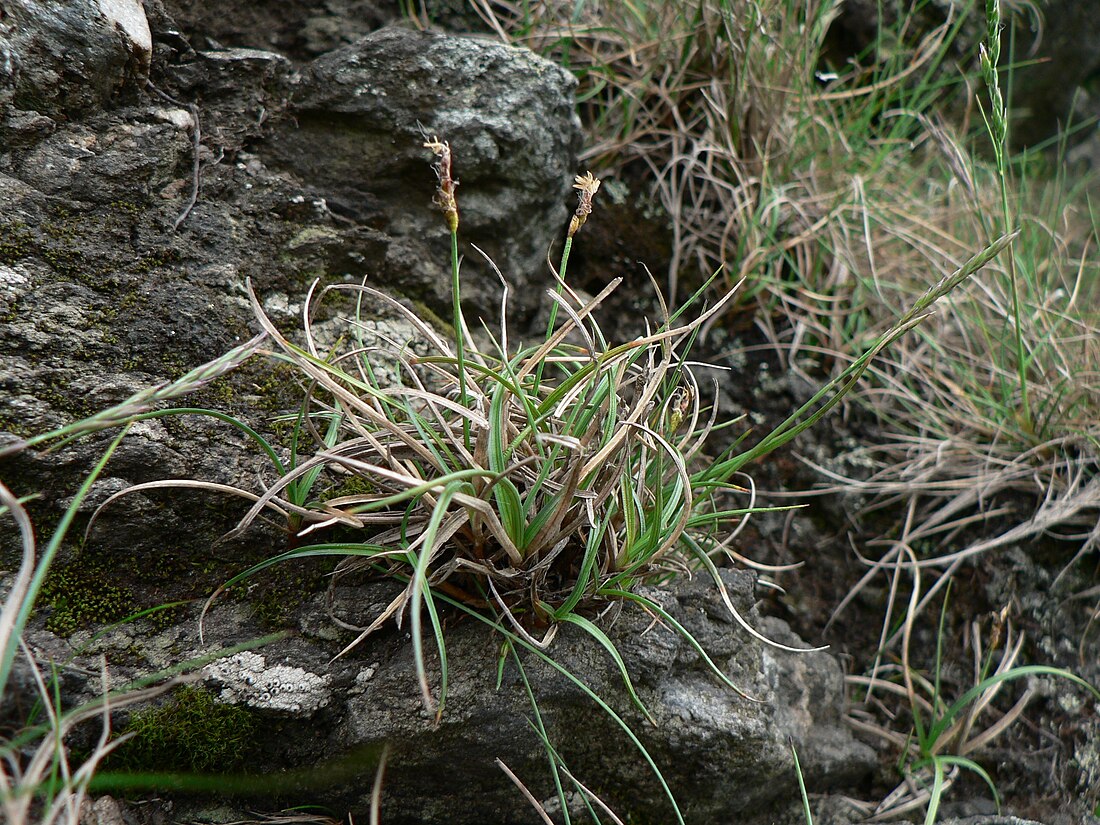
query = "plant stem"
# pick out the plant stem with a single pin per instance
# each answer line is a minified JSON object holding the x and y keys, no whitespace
{"x":558,"y":287}
{"x":1021,"y":356}
{"x":460,"y":336}
{"x":554,"y":305}
{"x":998,"y":130}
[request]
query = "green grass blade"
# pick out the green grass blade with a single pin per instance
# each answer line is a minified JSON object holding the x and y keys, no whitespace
{"x":936,"y":794}
{"x":419,"y":591}
{"x":801,"y":783}
{"x":544,"y":737}
{"x":937,"y":730}
{"x":591,"y":694}
{"x":666,"y":617}
{"x":601,"y":637}
{"x":7,"y":655}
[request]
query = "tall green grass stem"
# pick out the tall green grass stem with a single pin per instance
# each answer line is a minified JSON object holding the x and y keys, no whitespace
{"x":554,"y":305}
{"x":7,"y":654}
{"x":997,"y":124}
{"x":460,"y":335}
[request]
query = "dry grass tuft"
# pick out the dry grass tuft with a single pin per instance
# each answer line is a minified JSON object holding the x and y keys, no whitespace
{"x":837,"y":201}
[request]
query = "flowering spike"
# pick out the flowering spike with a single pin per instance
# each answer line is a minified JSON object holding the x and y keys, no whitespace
{"x":445,"y":194}
{"x":588,"y":186}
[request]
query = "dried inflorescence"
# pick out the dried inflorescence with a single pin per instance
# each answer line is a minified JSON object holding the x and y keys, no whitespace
{"x":445,"y":193}
{"x":588,"y":186}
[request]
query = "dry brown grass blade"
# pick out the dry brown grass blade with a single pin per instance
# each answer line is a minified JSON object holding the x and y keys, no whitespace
{"x":517,"y":626}
{"x":530,"y":797}
{"x":911,"y":795}
{"x":280,"y":507}
{"x":556,"y":339}
{"x":324,"y":378}
{"x":551,"y":528}
{"x":593,"y":797}
{"x":20,"y":585}
{"x":395,"y":607}
{"x":376,"y":789}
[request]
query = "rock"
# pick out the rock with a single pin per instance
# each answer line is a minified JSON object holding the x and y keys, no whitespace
{"x":99,"y":297}
{"x":361,"y":114}
{"x":67,"y":58}
{"x":103,"y":811}
{"x":297,"y":28}
{"x":725,"y":758}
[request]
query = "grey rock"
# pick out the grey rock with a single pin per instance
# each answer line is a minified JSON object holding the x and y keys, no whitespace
{"x":726,"y":758}
{"x":65,"y":58}
{"x":361,"y":115}
{"x":103,"y":811}
{"x":108,"y":160}
{"x":300,"y":29}
{"x":99,"y":297}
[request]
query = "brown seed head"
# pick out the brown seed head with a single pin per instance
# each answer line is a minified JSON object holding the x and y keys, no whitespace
{"x":445,"y":193}
{"x":587,"y":186}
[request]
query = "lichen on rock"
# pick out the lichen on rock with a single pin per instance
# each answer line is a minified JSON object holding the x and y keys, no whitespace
{"x":245,"y":678}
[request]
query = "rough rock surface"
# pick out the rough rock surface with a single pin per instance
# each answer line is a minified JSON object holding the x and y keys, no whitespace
{"x":67,"y":58}
{"x":105,"y":286}
{"x":361,"y":113}
{"x":724,"y":757}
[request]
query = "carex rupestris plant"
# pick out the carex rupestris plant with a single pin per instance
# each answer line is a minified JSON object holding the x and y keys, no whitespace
{"x":528,"y":486}
{"x":532,"y":483}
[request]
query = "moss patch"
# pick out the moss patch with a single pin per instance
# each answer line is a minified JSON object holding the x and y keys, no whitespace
{"x":277,"y":595}
{"x":81,"y":596}
{"x":193,"y":733}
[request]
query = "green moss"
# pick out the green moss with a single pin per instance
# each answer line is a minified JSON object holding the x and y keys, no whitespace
{"x":193,"y":732}
{"x":15,"y":242}
{"x":80,"y":596}
{"x":276,"y":597}
{"x":18,"y":428}
{"x":350,"y":485}
{"x":64,"y":242}
{"x":131,"y":210}
{"x":264,"y":387}
{"x":61,"y":397}
{"x":12,"y":314}
{"x":155,"y":260}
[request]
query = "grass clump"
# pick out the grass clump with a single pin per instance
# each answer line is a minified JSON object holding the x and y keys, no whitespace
{"x":945,"y":734}
{"x":529,"y":486}
{"x":835,"y":187}
{"x":537,"y":483}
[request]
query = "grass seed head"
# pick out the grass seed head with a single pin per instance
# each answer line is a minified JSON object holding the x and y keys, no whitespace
{"x":445,"y":193}
{"x":587,"y":186}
